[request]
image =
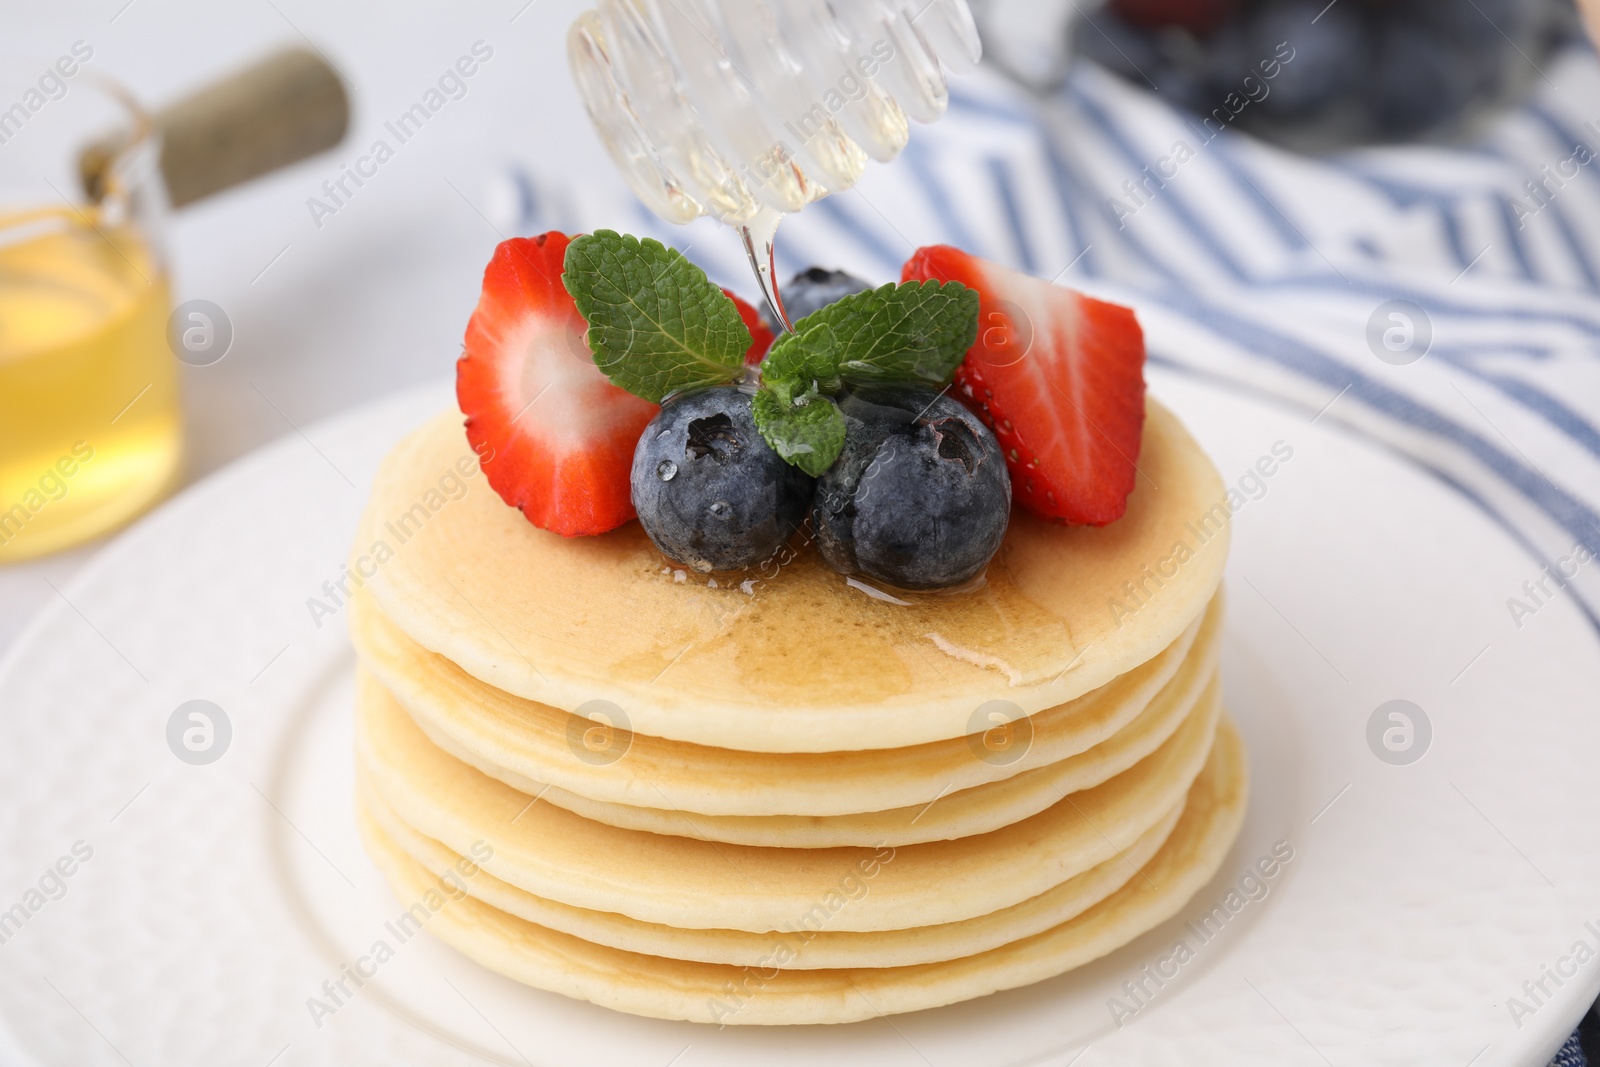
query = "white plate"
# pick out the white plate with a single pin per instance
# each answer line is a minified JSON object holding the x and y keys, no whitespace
{"x":219,"y":898}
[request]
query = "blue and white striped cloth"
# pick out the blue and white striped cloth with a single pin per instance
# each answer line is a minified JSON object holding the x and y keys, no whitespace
{"x":1279,"y":258}
{"x":1571,"y":1055}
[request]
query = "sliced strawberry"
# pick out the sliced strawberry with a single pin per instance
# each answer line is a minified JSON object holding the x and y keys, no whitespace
{"x":1059,"y":377}
{"x":760,"y":336}
{"x":554,"y":437}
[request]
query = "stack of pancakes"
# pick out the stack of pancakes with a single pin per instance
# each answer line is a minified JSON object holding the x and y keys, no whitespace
{"x":788,"y":797}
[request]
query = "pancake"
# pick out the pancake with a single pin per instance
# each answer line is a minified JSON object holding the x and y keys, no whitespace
{"x":816,"y":946}
{"x":530,"y":745}
{"x":1189,"y":706}
{"x":710,"y":993}
{"x":798,"y":659}
{"x":1187,"y":718}
{"x":687,"y":883}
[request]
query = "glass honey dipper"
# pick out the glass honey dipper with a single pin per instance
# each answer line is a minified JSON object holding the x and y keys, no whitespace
{"x":747,"y":110}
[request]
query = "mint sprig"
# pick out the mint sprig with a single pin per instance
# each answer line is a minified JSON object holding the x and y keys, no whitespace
{"x":805,"y":360}
{"x":912,"y":332}
{"x":657,"y":325}
{"x":807,"y":431}
{"x":915,"y":332}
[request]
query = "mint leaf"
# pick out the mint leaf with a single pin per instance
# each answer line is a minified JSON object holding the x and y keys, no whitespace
{"x":807,"y":432}
{"x":797,"y":362}
{"x":656,"y":323}
{"x":913,"y":332}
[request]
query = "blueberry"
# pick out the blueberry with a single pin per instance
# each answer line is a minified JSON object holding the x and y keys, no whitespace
{"x":710,"y":492}
{"x":1181,"y":75}
{"x":1481,"y":34}
{"x":1121,"y":47}
{"x":1418,"y":81}
{"x":919,"y":498}
{"x":1482,"y":26}
{"x":815,"y":288}
{"x":1229,"y":59}
{"x":1328,"y":57}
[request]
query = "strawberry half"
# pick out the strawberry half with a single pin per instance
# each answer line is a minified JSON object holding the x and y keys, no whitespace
{"x":760,"y":336}
{"x":553,"y":435}
{"x":1059,"y":377}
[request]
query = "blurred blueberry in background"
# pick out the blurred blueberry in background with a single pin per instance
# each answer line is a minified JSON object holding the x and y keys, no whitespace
{"x":1417,"y":81}
{"x":1326,"y":75}
{"x":1323,"y":59}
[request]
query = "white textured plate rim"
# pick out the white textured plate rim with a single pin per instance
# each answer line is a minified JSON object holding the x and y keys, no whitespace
{"x":1543,"y":1034}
